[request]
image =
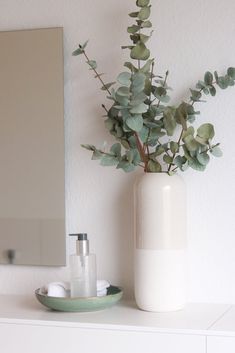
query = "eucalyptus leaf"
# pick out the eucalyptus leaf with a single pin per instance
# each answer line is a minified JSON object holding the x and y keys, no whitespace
{"x":203,"y":158}
{"x":159,"y":150}
{"x":119,"y":131}
{"x":142,"y":3}
{"x":146,"y":67}
{"x":181,"y":115}
{"x":138,"y":98}
{"x":164,"y":99}
{"x":135,"y":122}
{"x":108,"y":160}
{"x":107,"y":86}
{"x":223,"y":82}
{"x":212,"y":91}
{"x":191,"y":143}
{"x":136,"y":157}
{"x":116,"y":149}
{"x":126,"y":166}
{"x":124,"y":78}
{"x":154,"y":166}
{"x":123,"y":91}
{"x":122,"y":100}
{"x":109,"y":123}
{"x":144,"y":38}
{"x":138,"y":83}
{"x":92,"y":64}
{"x":194,"y":164}
{"x":201,"y":85}
{"x":146,"y":24}
{"x":85,"y":44}
{"x":125,"y":144}
{"x":132,"y":141}
{"x":231,"y":72}
{"x":78,"y":51}
{"x":96,"y":155}
{"x":130,"y":66}
{"x":139,"y":109}
{"x":179,"y":161}
{"x":208,"y":78}
{"x":143,"y":134}
{"x":140,"y":52}
{"x":174,"y":147}
{"x":89,"y":147}
{"x":144,"y":13}
{"x":127,"y":46}
{"x":184,"y":166}
{"x":189,"y":131}
{"x":195,"y":95}
{"x":167,"y":159}
{"x":169,"y":122}
{"x":134,"y":14}
{"x":206,"y":132}
{"x":133,"y":29}
{"x":216,"y":151}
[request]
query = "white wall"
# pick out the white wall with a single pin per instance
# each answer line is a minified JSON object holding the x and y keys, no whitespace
{"x":190,"y":38}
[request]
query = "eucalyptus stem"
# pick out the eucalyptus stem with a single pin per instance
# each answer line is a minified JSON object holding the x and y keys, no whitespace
{"x":174,"y":154}
{"x":97,"y":74}
{"x":104,"y":107}
{"x":164,"y":84}
{"x":179,"y":140}
{"x":141,"y":151}
{"x":151,"y":80}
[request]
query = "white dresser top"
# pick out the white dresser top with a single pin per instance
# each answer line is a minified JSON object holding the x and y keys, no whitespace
{"x":196,"y":318}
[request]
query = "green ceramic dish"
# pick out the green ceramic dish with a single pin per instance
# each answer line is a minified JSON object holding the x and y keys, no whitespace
{"x":79,"y":304}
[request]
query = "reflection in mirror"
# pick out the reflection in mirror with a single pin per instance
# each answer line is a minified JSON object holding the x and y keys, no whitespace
{"x":32,"y":212}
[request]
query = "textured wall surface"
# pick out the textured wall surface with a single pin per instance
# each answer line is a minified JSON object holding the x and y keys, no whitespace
{"x":190,"y":38}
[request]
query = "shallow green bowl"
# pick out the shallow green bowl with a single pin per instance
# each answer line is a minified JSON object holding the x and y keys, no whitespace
{"x":114,"y":294}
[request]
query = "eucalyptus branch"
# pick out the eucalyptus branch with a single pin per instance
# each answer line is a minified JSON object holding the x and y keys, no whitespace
{"x":174,"y":169}
{"x":181,"y":135}
{"x":131,"y":110}
{"x":141,"y":151}
{"x":104,"y":107}
{"x":174,"y":154}
{"x":164,"y":84}
{"x":96,"y":73}
{"x":209,"y":148}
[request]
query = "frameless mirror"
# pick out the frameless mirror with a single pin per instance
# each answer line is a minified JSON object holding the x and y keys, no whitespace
{"x":32,"y":210}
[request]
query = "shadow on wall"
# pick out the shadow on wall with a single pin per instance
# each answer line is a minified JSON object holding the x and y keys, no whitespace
{"x":126,"y":235}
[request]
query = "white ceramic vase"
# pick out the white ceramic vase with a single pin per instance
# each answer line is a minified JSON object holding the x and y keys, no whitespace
{"x":160,"y":242}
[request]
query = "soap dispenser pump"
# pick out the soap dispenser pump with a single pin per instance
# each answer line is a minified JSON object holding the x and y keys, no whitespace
{"x":83,"y":269}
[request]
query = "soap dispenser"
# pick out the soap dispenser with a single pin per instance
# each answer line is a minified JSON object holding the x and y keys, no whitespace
{"x":83,"y":269}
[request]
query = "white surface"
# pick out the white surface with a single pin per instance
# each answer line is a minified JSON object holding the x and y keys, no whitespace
{"x":194,"y":319}
{"x":220,"y":345}
{"x":61,"y":340}
{"x":190,"y":38}
{"x":122,"y":328}
{"x":226,"y":325}
{"x":160,"y":277}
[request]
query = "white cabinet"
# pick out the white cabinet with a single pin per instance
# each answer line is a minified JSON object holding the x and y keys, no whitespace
{"x":51,"y":339}
{"x":27,"y":327}
{"x":220,"y":344}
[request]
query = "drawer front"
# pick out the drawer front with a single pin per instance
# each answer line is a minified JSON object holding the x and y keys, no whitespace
{"x":220,"y":345}
{"x":48,"y":339}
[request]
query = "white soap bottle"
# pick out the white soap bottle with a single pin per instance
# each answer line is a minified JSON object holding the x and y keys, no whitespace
{"x":83,"y":269}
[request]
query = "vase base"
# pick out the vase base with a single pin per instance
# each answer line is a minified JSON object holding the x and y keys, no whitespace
{"x":160,"y":278}
{"x":161,"y":310}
